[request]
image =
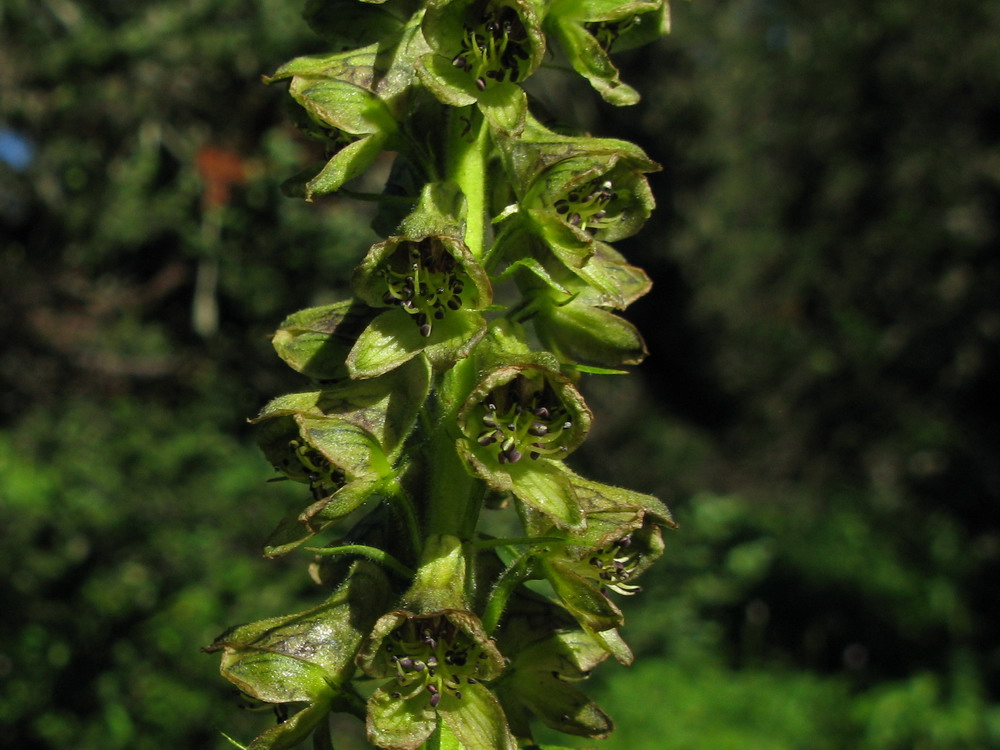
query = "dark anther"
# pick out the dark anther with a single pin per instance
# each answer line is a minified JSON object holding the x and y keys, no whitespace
{"x":481,"y":84}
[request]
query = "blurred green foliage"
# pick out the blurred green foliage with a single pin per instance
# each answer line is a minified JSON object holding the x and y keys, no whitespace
{"x":824,"y":331}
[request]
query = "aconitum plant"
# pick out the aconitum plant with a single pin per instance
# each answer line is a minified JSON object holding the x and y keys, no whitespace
{"x":445,"y":395}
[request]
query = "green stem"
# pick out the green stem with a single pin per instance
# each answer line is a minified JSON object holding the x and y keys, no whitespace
{"x":402,"y":506}
{"x":373,"y":553}
{"x":509,"y":580}
{"x":515,"y":541}
{"x":467,"y":158}
{"x":450,"y":486}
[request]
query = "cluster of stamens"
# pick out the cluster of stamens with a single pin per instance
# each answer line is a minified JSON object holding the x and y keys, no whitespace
{"x":323,"y":477}
{"x":433,"y":655}
{"x":494,"y":46}
{"x":606,"y":32}
{"x":613,"y":566}
{"x":586,"y":206}
{"x":425,"y":280}
{"x":520,"y":418}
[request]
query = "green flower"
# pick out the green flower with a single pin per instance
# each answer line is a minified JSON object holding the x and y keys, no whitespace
{"x":480,"y":51}
{"x":573,"y":191}
{"x":350,"y":101}
{"x":429,"y":285}
{"x":570,"y":307}
{"x":433,"y":289}
{"x":550,"y":654}
{"x":520,"y":420}
{"x":305,"y":658}
{"x":622,"y":539}
{"x":588,"y":31}
{"x":434,"y":659}
{"x":342,"y":442}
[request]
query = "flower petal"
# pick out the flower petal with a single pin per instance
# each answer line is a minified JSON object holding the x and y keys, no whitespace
{"x":476,"y":719}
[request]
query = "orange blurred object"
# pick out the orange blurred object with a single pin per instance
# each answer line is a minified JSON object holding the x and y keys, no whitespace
{"x":219,"y":169}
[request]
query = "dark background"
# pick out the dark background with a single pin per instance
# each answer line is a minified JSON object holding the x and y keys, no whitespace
{"x":824,"y":332}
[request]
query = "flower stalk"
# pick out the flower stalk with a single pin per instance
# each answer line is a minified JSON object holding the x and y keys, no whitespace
{"x":431,"y":406}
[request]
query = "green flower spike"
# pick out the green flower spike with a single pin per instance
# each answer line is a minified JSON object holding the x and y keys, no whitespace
{"x":342,"y":442}
{"x":521,"y":419}
{"x":480,"y":51}
{"x":305,"y":658}
{"x":550,"y":654}
{"x":589,"y":30}
{"x":435,"y":656}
